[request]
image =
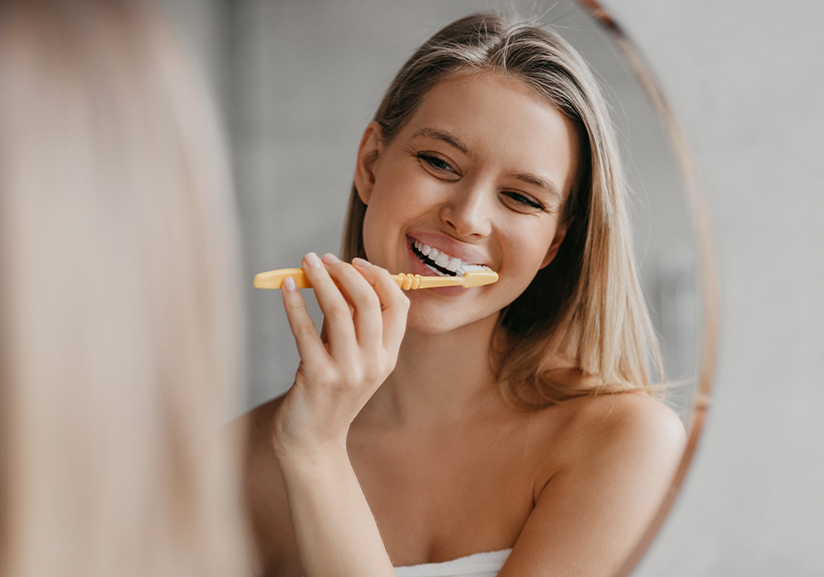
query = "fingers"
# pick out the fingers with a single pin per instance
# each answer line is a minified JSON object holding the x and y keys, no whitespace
{"x":364,"y":302}
{"x":363,"y":308}
{"x":394,"y":303}
{"x":309,"y":344}
{"x":337,"y":315}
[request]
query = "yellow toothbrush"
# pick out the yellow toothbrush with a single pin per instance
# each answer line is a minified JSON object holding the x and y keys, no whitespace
{"x":473,"y":278}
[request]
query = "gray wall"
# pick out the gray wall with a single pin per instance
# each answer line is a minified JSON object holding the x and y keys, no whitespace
{"x":746,"y":78}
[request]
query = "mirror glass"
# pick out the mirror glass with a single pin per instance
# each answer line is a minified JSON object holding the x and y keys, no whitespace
{"x":298,"y":81}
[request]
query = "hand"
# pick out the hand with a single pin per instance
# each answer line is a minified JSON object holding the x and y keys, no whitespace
{"x":340,"y":369}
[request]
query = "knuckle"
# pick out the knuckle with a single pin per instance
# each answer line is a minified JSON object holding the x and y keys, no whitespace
{"x":344,"y":269}
{"x":385,"y":276}
{"x":369,"y":300}
{"x":333,"y":375}
{"x":315,"y":274}
{"x":292,"y":305}
{"x":383,"y":364}
{"x":374,"y":374}
{"x":338,"y":311}
{"x":388,"y":361}
{"x":326,"y":375}
{"x":351,"y":378}
{"x":400,"y":303}
{"x":304,"y":329}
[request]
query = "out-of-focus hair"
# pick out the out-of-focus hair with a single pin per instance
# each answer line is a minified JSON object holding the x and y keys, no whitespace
{"x":586,"y":307}
{"x":119,"y":314}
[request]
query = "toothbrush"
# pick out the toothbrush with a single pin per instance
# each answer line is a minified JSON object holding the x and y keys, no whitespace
{"x":475,"y":276}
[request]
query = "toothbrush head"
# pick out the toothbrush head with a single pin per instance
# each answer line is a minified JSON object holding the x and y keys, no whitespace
{"x":478,"y":276}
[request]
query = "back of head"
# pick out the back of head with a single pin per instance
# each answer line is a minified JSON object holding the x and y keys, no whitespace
{"x":118,"y":309}
{"x":585,"y":309}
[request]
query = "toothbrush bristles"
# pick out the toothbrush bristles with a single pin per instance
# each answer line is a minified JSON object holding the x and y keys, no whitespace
{"x":480,"y":276}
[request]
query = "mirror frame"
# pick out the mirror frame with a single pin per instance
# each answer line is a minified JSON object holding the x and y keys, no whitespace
{"x":708,"y":285}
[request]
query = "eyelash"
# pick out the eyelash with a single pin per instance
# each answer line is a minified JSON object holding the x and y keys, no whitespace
{"x":435,"y":161}
{"x":439,"y":164}
{"x":525,"y":200}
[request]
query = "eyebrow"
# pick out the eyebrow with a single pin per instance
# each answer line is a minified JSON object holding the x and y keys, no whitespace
{"x":444,"y":136}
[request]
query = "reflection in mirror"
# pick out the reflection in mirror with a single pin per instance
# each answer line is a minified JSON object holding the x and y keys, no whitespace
{"x":301,"y":80}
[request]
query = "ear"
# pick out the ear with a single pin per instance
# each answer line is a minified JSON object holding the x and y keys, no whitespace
{"x":560,"y":234}
{"x":371,"y":146}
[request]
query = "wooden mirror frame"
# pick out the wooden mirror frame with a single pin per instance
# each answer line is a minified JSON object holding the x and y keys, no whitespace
{"x":708,"y":286}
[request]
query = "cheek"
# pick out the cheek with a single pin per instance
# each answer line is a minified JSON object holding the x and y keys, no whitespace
{"x":396,"y":205}
{"x":383,"y":223}
{"x":527,"y":248}
{"x":371,"y":235}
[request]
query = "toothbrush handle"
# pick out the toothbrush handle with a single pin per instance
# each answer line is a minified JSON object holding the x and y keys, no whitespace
{"x":273,"y":279}
{"x":416,"y":281}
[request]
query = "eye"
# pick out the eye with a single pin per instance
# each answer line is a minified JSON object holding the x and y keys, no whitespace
{"x":522,"y":202}
{"x":437,"y":164}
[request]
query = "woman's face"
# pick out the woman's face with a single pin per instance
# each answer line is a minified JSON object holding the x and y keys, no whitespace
{"x":479,"y":173}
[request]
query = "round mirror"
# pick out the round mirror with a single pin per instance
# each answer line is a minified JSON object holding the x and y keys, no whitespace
{"x":299,"y":81}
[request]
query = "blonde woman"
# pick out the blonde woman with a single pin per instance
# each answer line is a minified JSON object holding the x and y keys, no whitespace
{"x":118,"y":306}
{"x":504,"y":430}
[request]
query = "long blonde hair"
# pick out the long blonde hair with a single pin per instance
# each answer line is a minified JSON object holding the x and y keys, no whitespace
{"x":585,"y":308}
{"x":119,"y":314}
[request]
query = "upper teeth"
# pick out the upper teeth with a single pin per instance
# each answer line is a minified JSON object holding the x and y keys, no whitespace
{"x":442,"y":259}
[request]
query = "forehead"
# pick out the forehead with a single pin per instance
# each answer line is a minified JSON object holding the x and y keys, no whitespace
{"x":501,"y":121}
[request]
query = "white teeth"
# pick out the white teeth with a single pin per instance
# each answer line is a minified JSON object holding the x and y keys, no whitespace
{"x":443,"y":260}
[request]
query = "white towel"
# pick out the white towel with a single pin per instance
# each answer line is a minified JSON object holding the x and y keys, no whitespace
{"x":477,"y":565}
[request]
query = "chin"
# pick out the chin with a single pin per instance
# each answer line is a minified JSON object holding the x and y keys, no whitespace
{"x":429,"y":326}
{"x":434,"y":320}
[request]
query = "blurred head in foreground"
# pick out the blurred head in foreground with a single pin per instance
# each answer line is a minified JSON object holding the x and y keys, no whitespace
{"x":118,"y":307}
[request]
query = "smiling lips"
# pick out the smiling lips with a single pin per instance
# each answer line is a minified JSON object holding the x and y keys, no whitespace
{"x":440,"y":262}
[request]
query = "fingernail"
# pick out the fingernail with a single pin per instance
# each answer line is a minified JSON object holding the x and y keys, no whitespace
{"x":312,"y":260}
{"x":289,"y":284}
{"x":358,"y":261}
{"x":329,"y":258}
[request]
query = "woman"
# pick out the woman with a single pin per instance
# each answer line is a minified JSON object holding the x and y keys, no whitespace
{"x":118,"y":304}
{"x":512,"y":421}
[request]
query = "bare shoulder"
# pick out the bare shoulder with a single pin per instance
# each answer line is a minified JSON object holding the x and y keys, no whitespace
{"x":262,"y":479}
{"x":265,"y":494}
{"x":606,"y":463}
{"x":634,"y":426}
{"x":261,"y":471}
{"x":258,"y":423}
{"x":626,"y":416}
{"x":626,"y":432}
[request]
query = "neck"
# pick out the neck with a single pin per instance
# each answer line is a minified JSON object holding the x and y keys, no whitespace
{"x":439,"y":378}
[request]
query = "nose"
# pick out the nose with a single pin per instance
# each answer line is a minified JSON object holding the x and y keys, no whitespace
{"x":468,"y":210}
